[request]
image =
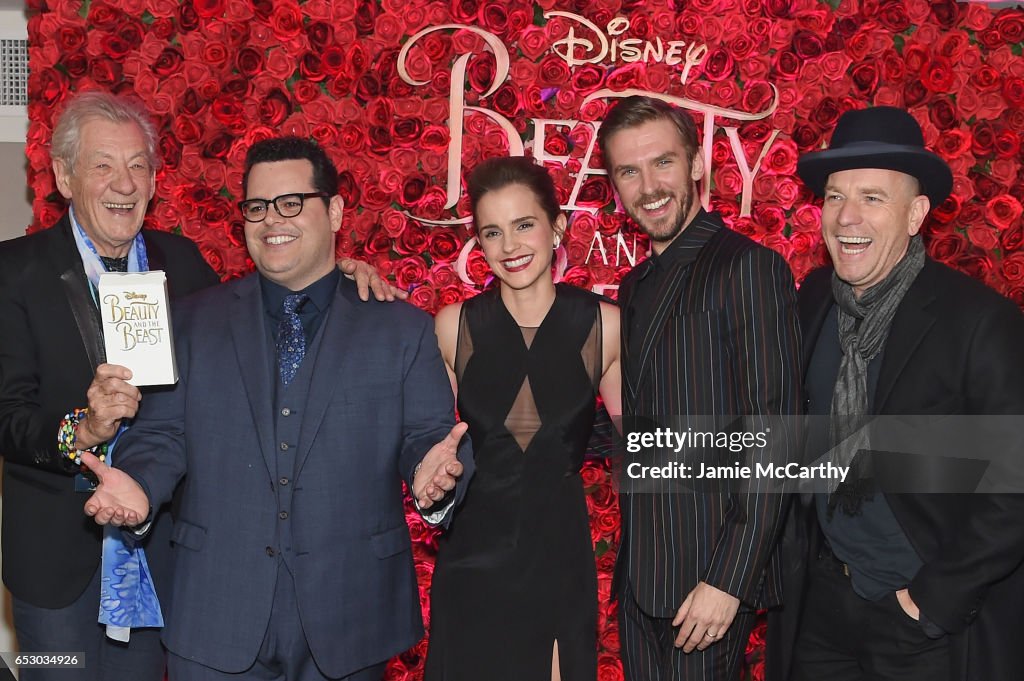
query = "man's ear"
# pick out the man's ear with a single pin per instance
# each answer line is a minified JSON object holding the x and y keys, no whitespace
{"x":697,"y":166}
{"x":336,"y":211}
{"x":63,"y":176}
{"x":919,"y":207}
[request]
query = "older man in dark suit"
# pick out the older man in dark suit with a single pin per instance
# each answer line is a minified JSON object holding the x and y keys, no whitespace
{"x":900,"y":583}
{"x":298,"y":414}
{"x":709,"y":334}
{"x":105,"y":158}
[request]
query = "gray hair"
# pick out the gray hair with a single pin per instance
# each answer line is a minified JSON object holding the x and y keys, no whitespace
{"x":86,"y":106}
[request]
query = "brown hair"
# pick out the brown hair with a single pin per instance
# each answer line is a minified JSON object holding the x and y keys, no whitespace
{"x":636,"y":110}
{"x":498,"y":173}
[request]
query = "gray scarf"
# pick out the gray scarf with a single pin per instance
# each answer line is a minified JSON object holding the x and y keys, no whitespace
{"x":864,"y":325}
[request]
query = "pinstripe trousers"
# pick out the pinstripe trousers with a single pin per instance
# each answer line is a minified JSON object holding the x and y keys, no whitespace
{"x":649,"y":654}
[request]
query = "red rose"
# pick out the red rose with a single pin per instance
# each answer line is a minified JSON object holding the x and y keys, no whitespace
{"x":208,"y":9}
{"x":506,"y":100}
{"x":893,"y":15}
{"x":494,"y":17}
{"x":275,"y":108}
{"x":786,"y":64}
{"x":169,"y":61}
{"x":188,"y":20}
{"x":1003,"y":211}
{"x":726,"y":93}
{"x":1010,"y":25}
{"x":249,"y":61}
{"x":368,"y":86}
{"x":807,"y":44}
{"x":412,"y":240}
{"x":409,"y":271}
{"x":983,"y":236}
{"x":102,"y":16}
{"x":115,"y":47}
{"x":449,"y":295}
{"x":780,"y":9}
{"x":431,"y":204}
{"x":49,"y":87}
{"x":553,"y":72}
{"x":379,"y":139}
{"x":938,"y":75}
{"x":948,"y":210}
{"x":425,"y":298}
{"x":477,"y":268}
{"x":1013,"y":91}
{"x":1007,"y":144}
{"x":444,"y":244}
{"x":947,"y":247}
{"x":983,"y":139}
{"x":718,"y":65}
{"x":1012,"y":239}
{"x":1013,"y":267}
{"x":312,"y":68}
{"x":70,"y":38}
{"x":1004,"y":171}
{"x":105,"y":71}
{"x":595,"y":192}
{"x":286,"y":20}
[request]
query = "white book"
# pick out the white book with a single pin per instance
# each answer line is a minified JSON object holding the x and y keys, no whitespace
{"x":137,"y":325}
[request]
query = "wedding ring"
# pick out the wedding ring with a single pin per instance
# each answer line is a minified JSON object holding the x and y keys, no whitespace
{"x":710,"y":635}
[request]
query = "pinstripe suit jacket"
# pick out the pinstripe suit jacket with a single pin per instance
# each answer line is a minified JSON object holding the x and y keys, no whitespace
{"x":723,"y":340}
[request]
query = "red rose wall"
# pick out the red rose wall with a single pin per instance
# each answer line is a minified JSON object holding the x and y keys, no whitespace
{"x":409,"y":95}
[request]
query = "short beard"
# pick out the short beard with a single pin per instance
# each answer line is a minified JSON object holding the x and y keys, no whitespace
{"x":685,"y":205}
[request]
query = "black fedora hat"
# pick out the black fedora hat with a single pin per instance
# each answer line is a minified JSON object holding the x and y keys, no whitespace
{"x":880,"y":137}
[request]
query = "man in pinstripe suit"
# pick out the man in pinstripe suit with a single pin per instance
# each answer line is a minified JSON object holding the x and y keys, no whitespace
{"x":709,"y":331}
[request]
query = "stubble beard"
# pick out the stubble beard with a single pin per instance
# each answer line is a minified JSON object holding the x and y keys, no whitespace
{"x":685,"y":204}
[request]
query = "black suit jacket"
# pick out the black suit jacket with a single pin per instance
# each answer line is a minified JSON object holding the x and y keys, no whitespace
{"x":723,"y":342}
{"x":50,"y":346}
{"x":954,"y":348}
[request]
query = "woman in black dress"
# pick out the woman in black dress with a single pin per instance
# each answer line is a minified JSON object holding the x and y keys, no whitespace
{"x":514,"y":593}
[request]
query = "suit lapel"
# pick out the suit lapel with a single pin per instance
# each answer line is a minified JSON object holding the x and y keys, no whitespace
{"x":327,"y":373}
{"x":695,"y":238}
{"x":667,"y":298}
{"x":67,"y":262}
{"x":911,"y":324}
{"x":249,"y":334}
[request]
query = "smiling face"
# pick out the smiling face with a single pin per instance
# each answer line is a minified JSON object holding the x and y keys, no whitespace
{"x":650,"y":169}
{"x":867,"y":220}
{"x":292,"y":252}
{"x":110,"y":185}
{"x":517,"y":236}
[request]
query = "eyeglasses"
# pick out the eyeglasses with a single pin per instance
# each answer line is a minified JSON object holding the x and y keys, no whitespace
{"x":286,"y":205}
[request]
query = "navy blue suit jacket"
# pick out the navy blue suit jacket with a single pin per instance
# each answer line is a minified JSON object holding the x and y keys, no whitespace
{"x":378,"y":400}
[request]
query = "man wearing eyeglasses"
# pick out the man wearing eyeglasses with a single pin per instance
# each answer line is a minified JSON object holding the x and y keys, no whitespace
{"x":298,"y":414}
{"x":53,"y":383}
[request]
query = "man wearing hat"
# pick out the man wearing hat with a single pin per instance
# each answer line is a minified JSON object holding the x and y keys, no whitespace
{"x":900,"y":584}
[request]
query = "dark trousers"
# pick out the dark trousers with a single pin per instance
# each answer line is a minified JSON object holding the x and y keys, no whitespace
{"x":74,"y":629}
{"x":844,"y":637}
{"x":649,"y":652}
{"x":284,"y":654}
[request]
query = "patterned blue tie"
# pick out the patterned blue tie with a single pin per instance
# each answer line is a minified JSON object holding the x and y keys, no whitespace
{"x":291,"y":338}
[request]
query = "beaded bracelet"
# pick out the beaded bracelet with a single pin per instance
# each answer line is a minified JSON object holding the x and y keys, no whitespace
{"x":67,"y":434}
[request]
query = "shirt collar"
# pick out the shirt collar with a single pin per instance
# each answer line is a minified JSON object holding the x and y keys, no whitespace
{"x":320,"y":292}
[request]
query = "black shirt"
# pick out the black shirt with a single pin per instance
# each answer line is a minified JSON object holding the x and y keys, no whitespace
{"x":311,"y":313}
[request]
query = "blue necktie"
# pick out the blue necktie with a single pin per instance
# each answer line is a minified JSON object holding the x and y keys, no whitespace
{"x":291,"y":338}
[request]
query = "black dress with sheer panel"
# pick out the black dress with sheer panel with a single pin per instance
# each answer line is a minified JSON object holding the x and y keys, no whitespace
{"x":515,"y":573}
